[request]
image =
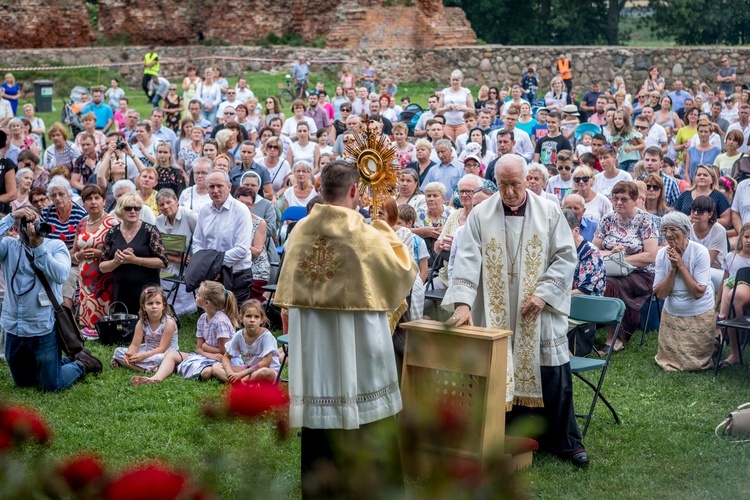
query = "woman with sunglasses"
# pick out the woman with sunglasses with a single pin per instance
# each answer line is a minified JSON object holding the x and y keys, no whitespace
{"x":705,"y":183}
{"x":655,"y":199}
{"x":272,"y":110}
{"x":596,"y":204}
{"x":278,"y":167}
{"x":133,"y":252}
{"x":493,"y":96}
{"x":711,"y":235}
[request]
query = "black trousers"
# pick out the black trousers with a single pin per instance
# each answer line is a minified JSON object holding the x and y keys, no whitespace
{"x":557,"y":420}
{"x":144,"y":84}
{"x":358,"y":463}
{"x":242,"y":282}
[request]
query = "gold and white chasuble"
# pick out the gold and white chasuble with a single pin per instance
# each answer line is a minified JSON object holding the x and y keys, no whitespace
{"x":495,"y":277}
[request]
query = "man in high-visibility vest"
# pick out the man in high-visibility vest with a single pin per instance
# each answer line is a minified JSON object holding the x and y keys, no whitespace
{"x":150,"y":69}
{"x":563,"y":70}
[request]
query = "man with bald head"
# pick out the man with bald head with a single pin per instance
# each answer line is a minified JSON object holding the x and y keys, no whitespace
{"x":225,"y":225}
{"x":576,"y":203}
{"x":514,"y":271}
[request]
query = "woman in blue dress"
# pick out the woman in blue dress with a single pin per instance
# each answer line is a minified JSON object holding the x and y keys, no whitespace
{"x":11,"y":92}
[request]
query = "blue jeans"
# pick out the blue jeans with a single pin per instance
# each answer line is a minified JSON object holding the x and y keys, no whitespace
{"x":210,"y":115}
{"x":627,"y":165}
{"x":36,"y":361}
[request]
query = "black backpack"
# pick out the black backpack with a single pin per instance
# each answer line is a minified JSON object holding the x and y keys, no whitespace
{"x":741,"y":168}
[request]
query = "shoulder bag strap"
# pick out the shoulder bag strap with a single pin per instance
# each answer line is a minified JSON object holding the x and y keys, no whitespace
{"x":43,"y":279}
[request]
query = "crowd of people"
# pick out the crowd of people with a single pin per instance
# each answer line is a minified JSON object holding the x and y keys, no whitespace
{"x":633,"y":173}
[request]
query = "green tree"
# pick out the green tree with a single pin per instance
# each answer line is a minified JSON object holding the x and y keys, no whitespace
{"x":702,"y":22}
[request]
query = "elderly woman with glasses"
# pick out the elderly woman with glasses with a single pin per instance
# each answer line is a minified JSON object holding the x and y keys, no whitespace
{"x":683,"y":282}
{"x":133,"y":252}
{"x":632,"y":231}
{"x":302,"y":191}
{"x":596,"y":204}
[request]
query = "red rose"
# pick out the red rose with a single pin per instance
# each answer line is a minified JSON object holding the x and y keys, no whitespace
{"x":21,"y":423}
{"x":81,"y":471}
{"x":251,"y":400}
{"x":146,"y":482}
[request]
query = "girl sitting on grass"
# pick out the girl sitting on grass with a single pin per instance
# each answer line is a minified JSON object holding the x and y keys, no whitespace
{"x":155,"y":329}
{"x":215,"y":328}
{"x":255,"y":345}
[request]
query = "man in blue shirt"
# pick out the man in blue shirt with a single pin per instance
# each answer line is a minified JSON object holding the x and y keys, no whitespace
{"x":104,"y":115}
{"x":161,"y":133}
{"x":678,"y":96}
{"x":31,"y":347}
{"x":587,"y":227}
{"x":301,"y":71}
{"x":447,"y":172}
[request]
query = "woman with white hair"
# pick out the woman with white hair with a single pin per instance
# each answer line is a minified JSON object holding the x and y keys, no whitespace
{"x":454,"y":102}
{"x":303,"y":190}
{"x":422,"y":159}
{"x":537,"y":180}
{"x":24,"y":179}
{"x":64,"y":216}
{"x":432,"y":218}
{"x":683,"y":282}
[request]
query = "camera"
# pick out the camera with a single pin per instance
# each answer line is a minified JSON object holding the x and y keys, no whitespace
{"x":120,"y":144}
{"x":40,"y":228}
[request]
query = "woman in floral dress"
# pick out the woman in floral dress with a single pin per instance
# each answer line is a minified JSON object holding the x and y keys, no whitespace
{"x":95,"y":287}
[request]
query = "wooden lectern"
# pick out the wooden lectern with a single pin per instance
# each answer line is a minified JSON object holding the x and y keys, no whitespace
{"x":464,"y":367}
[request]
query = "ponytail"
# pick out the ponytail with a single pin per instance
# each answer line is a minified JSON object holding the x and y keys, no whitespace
{"x":230,"y":307}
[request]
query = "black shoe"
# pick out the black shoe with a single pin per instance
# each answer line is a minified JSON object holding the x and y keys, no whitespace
{"x":578,"y":458}
{"x":91,"y":364}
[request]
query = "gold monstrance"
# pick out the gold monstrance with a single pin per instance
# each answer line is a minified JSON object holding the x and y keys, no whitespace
{"x":375,"y":160}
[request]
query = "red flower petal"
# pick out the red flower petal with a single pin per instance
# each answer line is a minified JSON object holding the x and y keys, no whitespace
{"x":81,"y":471}
{"x":251,"y":400}
{"x":146,"y":482}
{"x":23,"y":423}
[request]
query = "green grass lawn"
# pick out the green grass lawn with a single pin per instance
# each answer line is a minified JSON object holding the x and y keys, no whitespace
{"x":665,"y":447}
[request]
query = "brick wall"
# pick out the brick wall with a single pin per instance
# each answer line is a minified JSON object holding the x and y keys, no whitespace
{"x":25,"y":24}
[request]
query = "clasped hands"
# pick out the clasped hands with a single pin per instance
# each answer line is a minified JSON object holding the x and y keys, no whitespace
{"x":126,"y":256}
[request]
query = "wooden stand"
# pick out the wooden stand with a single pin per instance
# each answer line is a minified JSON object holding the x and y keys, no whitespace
{"x":465,"y":368}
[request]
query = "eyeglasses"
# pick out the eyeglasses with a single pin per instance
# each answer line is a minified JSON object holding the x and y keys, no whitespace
{"x":653,"y":187}
{"x":565,"y":168}
{"x":641,"y":97}
{"x":493,"y":92}
{"x":465,"y":192}
{"x":196,"y":174}
{"x":578,"y":180}
{"x":698,"y":211}
{"x":134,"y":208}
{"x":172,"y":88}
{"x":229,"y":113}
{"x":272,"y":146}
{"x":621,"y":200}
{"x":343,"y":110}
{"x":673,"y":230}
{"x":641,"y":127}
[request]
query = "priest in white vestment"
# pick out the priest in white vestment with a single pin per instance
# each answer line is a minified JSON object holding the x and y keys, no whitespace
{"x":514,"y":270}
{"x":340,"y":279}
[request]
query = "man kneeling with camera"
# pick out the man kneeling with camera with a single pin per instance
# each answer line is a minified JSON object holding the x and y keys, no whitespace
{"x":32,"y":349}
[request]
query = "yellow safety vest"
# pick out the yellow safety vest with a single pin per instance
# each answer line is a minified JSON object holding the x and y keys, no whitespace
{"x":153,"y":70}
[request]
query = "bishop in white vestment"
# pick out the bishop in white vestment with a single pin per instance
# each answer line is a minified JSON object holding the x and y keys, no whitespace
{"x":514,"y":270}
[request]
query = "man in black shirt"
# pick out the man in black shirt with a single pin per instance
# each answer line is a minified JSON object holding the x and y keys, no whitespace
{"x":548,"y":147}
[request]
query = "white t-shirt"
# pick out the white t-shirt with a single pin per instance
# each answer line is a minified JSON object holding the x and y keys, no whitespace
{"x":290,"y":126}
{"x":656,"y":136}
{"x":278,"y":173}
{"x":598,"y":207}
{"x":716,"y":239}
{"x":306,"y":153}
{"x":255,"y":352}
{"x":559,"y":187}
{"x":734,"y":262}
{"x":458,"y":98}
{"x":293,"y":201}
{"x":741,"y":201}
{"x":191,"y":199}
{"x":680,"y":301}
{"x":582,"y":149}
{"x":604,"y":186}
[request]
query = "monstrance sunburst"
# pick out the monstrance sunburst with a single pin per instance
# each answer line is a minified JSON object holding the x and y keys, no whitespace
{"x":375,"y":161}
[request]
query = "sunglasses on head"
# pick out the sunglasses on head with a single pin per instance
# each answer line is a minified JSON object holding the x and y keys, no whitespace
{"x":133,"y":208}
{"x":585,"y":179}
{"x":653,"y":187}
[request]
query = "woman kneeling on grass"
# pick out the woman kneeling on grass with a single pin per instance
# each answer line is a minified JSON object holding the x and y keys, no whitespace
{"x":155,"y":329}
{"x":255,"y":345}
{"x":215,"y":328}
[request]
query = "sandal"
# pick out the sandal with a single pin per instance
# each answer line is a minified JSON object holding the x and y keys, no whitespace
{"x":114,"y":363}
{"x":724,"y":364}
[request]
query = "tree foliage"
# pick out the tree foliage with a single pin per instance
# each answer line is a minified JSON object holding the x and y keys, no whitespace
{"x":702,"y":22}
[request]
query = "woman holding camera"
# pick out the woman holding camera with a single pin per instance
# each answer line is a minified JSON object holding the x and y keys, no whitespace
{"x":95,"y":286}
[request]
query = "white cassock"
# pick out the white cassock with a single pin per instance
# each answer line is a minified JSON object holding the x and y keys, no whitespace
{"x":502,"y":261}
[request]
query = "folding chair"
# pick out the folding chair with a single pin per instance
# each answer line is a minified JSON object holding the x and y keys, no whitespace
{"x":604,"y":311}
{"x":283,"y":341}
{"x":651,"y":299}
{"x":741,"y":322}
{"x":289,"y":218}
{"x":435,"y":296}
{"x":175,"y":243}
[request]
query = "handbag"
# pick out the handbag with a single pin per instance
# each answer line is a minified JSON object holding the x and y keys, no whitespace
{"x":615,"y":265}
{"x":71,"y":340}
{"x":116,"y":328}
{"x":737,"y":422}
